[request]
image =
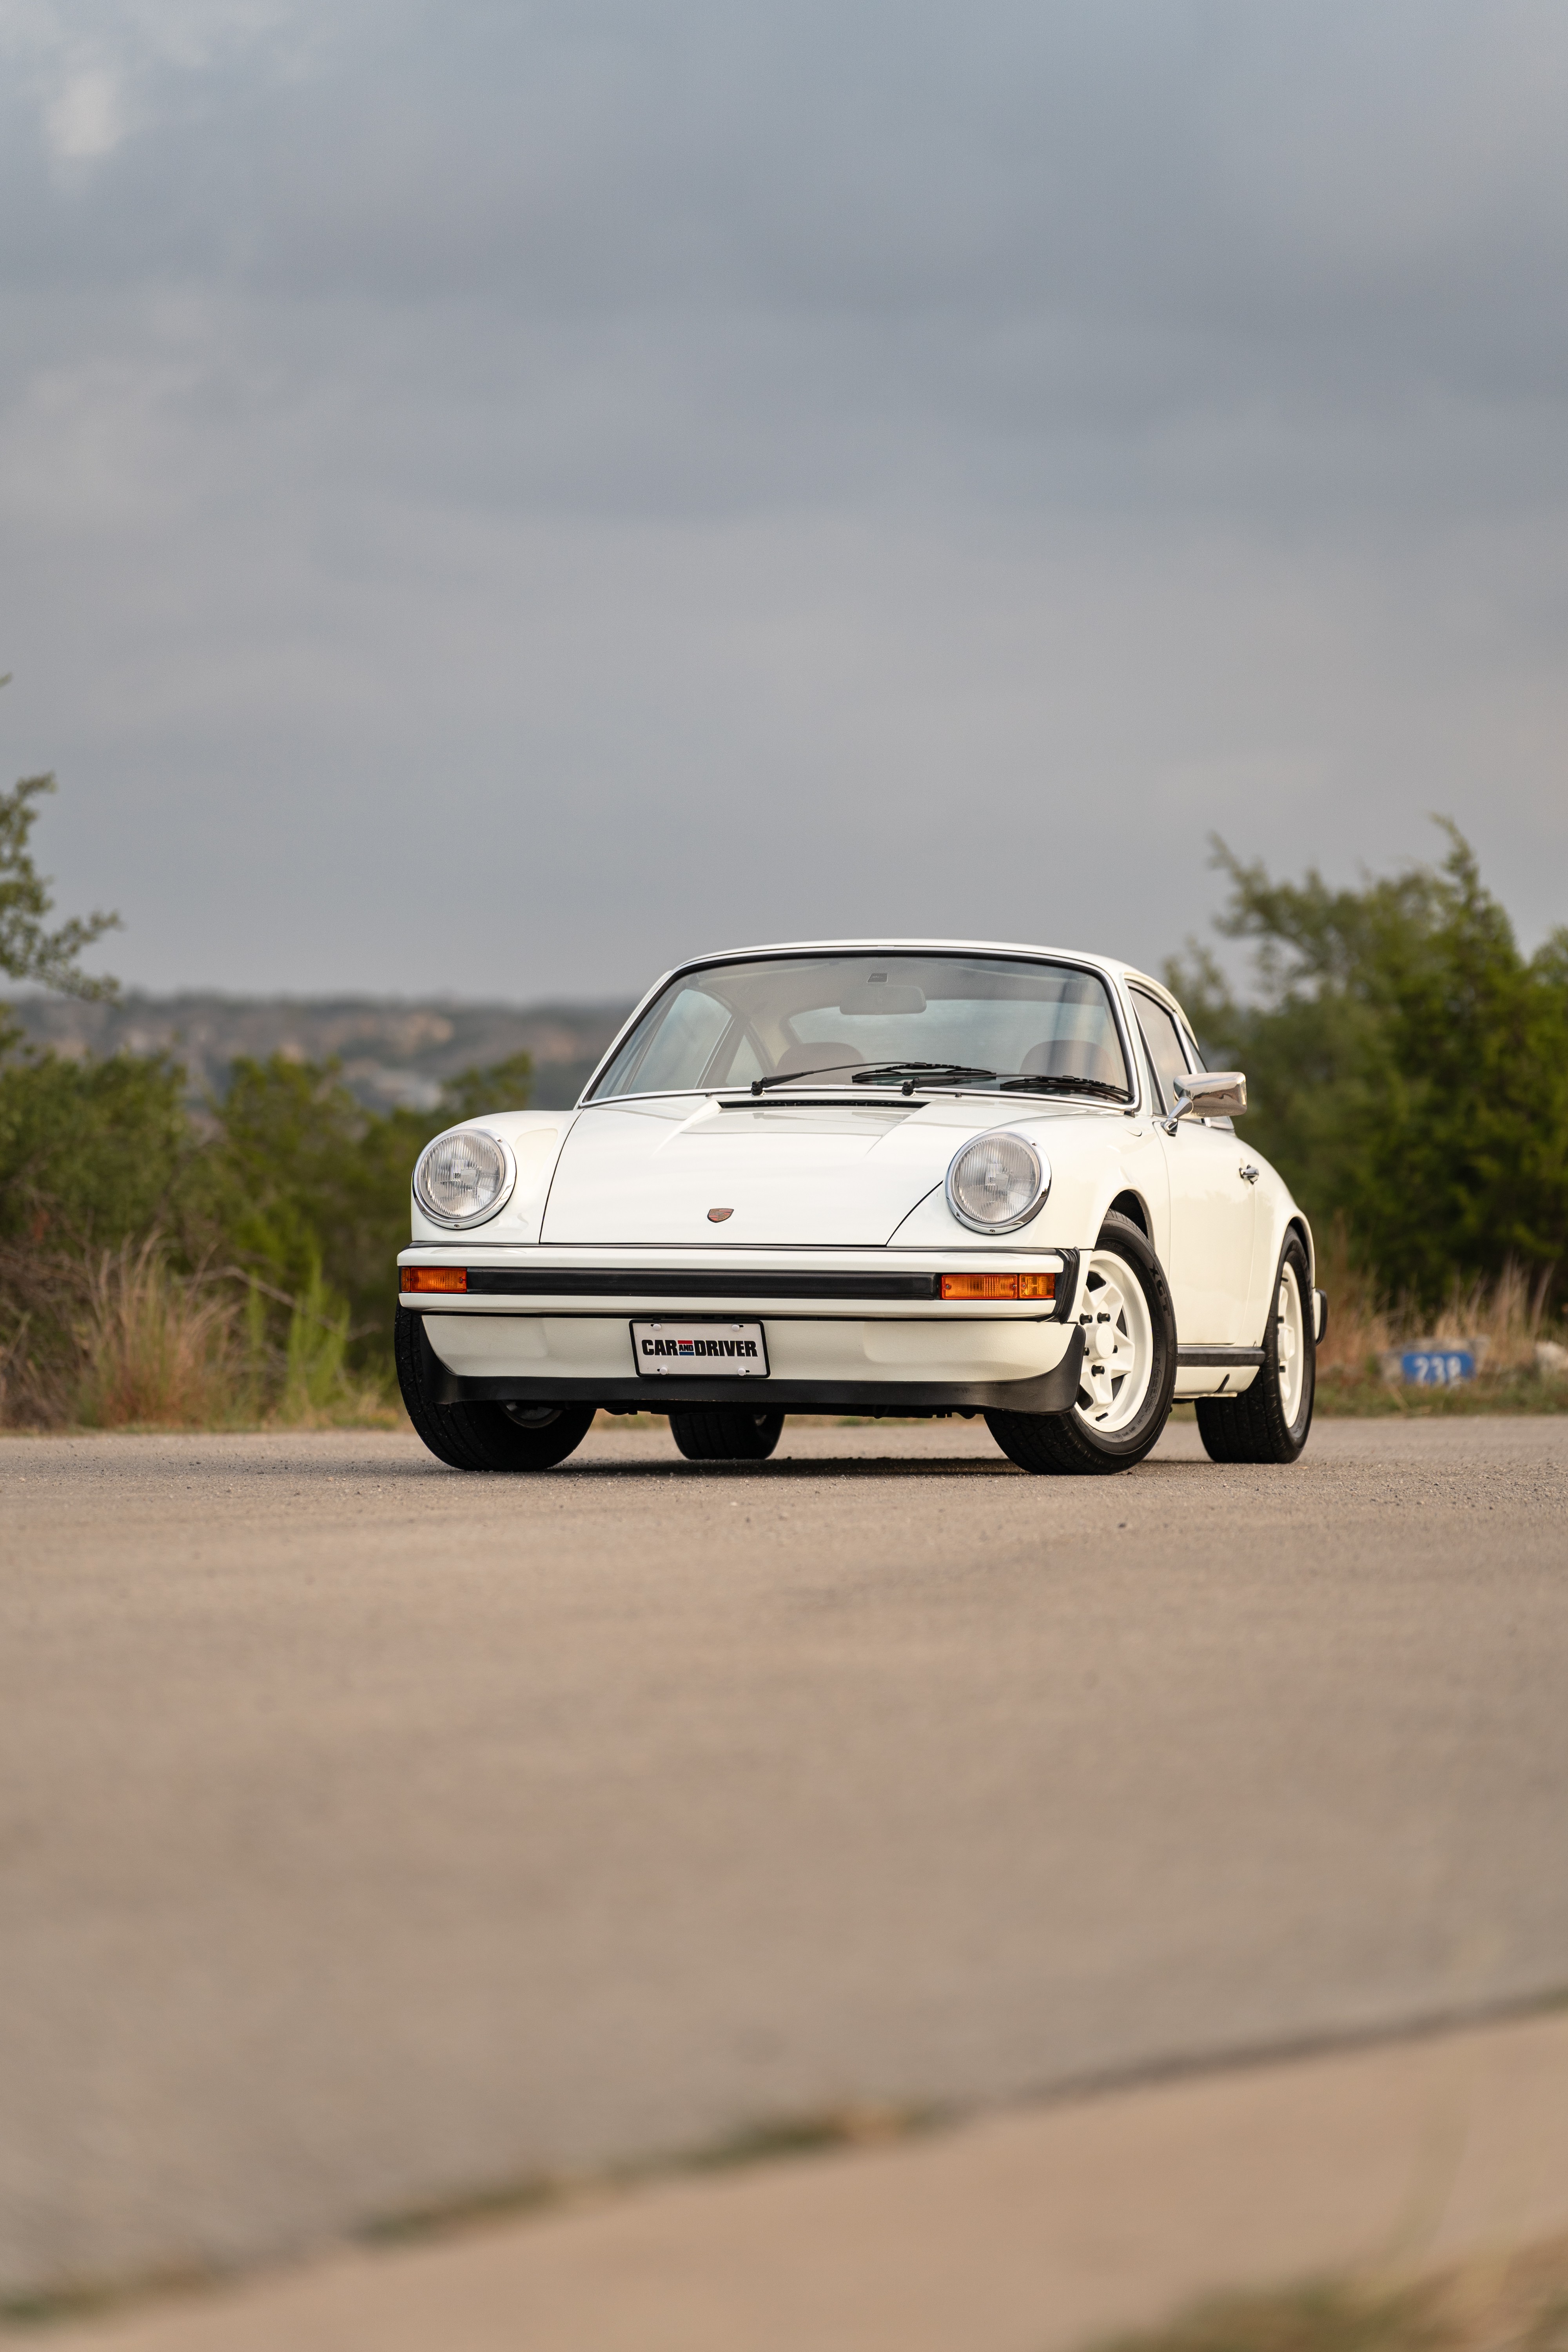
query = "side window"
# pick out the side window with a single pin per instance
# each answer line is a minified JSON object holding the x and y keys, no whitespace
{"x":1163,"y":1040}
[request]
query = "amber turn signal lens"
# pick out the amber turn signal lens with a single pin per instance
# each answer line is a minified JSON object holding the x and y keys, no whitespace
{"x":434,"y":1278}
{"x":998,"y":1286}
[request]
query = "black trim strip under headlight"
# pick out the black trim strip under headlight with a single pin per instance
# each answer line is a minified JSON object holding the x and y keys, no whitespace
{"x":654,"y":1282}
{"x":659,"y":1282}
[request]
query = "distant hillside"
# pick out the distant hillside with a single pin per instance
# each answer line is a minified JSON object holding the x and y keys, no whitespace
{"x":392,"y":1050}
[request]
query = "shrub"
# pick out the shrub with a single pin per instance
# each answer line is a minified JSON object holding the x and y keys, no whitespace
{"x":154,"y":1348}
{"x":92,"y":1153}
{"x":298,"y":1185}
{"x":234,"y":1264}
{"x":1505,"y":1319}
{"x":1407,"y":1068}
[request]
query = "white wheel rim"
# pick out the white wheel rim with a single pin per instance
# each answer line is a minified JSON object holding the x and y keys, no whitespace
{"x":1119,"y":1347}
{"x":1290,"y":1324}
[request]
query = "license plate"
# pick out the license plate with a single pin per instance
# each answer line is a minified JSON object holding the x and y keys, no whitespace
{"x":733,"y":1350}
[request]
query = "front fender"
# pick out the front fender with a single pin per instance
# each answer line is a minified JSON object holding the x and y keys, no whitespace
{"x":536,"y":1137}
{"x":1095,"y":1159}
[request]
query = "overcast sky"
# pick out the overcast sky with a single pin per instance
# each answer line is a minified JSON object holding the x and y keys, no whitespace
{"x":496,"y":497}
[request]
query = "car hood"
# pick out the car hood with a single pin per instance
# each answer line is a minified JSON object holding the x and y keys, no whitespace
{"x":792,"y":1175}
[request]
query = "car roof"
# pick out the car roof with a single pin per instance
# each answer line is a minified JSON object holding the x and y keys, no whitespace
{"x":1108,"y":964}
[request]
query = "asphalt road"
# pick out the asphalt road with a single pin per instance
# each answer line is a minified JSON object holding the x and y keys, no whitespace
{"x":369,"y":1833}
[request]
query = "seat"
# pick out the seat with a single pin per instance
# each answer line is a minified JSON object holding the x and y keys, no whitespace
{"x":795,"y":1061}
{"x":1072,"y":1057}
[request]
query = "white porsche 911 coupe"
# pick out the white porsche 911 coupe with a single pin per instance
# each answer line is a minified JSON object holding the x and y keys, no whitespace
{"x":915,"y":1177}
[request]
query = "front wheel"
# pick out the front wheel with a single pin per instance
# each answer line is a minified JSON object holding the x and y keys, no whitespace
{"x":725,"y":1433}
{"x":1128,"y":1368}
{"x":1270,"y":1420}
{"x":480,"y":1436}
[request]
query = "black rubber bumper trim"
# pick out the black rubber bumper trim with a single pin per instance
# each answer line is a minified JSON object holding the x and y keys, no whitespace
{"x":658,"y":1282}
{"x":730,"y":1283}
{"x":1219,"y":1358}
{"x":1052,"y":1392}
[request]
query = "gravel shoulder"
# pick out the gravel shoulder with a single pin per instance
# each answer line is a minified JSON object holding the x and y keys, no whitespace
{"x":1042,"y":2228}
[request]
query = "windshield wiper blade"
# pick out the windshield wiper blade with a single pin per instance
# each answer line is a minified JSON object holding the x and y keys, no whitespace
{"x":861,"y":1074}
{"x":1039,"y":1082}
{"x":930,"y":1069}
{"x":791,"y":1078}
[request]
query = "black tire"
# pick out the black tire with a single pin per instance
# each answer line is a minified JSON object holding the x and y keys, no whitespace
{"x":1063,"y":1444}
{"x":484,"y":1437}
{"x":725,"y":1432}
{"x":1252,"y":1427}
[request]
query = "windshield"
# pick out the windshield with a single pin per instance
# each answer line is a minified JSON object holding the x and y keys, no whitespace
{"x":979,"y":1023}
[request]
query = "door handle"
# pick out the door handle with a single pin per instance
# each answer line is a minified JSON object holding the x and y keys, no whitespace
{"x":1248,"y":1172}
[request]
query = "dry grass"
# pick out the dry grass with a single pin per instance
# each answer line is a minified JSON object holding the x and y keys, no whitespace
{"x":40,"y":1293}
{"x":156,"y":1351}
{"x":1506,"y":1320}
{"x":1513,"y":2302}
{"x":125,"y":1340}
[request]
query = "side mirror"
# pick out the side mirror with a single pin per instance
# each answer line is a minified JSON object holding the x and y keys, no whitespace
{"x":1208,"y":1094}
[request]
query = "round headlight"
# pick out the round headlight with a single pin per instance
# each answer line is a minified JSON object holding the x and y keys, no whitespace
{"x":996,"y":1182}
{"x":465,"y":1177}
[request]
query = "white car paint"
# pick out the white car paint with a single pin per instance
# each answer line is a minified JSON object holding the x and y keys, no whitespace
{"x":835,"y":1186}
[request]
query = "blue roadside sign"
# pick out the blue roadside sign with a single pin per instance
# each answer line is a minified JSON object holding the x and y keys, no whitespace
{"x":1436,"y":1367}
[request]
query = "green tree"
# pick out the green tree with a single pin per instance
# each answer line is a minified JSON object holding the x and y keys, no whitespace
{"x":27,"y":950}
{"x":299,"y":1182}
{"x":92,"y":1153}
{"x":303,"y":1186}
{"x":1408,"y":1065}
{"x":498,"y":1085}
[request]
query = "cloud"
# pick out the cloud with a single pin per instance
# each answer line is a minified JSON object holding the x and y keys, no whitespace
{"x":92,"y":72}
{"x":697,"y":459}
{"x":86,"y":117}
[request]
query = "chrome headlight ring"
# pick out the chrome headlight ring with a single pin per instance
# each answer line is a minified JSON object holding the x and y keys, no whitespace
{"x":490,"y":1163}
{"x":1006,"y":1170}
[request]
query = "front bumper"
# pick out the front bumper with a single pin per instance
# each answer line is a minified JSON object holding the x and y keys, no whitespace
{"x":846,"y":1332}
